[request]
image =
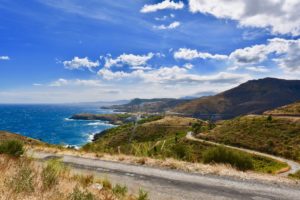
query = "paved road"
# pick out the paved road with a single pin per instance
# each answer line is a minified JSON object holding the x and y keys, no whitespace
{"x":165,"y":184}
{"x":294,"y":166}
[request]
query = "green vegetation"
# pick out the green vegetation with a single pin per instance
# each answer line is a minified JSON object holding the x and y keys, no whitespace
{"x":295,"y":175}
{"x":278,"y":136}
{"x":12,"y":147}
{"x":119,"y":190}
{"x":143,"y":195}
{"x":165,"y":138}
{"x":23,"y":180}
{"x":77,"y":194}
{"x":52,"y":172}
{"x":220,"y":154}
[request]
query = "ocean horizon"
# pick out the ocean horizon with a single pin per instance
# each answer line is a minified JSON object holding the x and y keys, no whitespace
{"x":50,"y":122}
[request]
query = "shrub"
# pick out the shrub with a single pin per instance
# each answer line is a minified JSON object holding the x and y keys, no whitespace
{"x":23,"y":180}
{"x":143,"y":195}
{"x":12,"y":147}
{"x":51,"y":172}
{"x":120,"y":191}
{"x":85,"y":180}
{"x":220,"y":154}
{"x":77,"y":194}
{"x":182,"y":151}
{"x":106,"y":184}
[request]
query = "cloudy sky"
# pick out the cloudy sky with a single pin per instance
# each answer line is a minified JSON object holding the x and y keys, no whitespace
{"x":54,"y":51}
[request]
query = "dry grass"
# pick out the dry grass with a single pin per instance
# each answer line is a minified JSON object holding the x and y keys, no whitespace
{"x":173,"y":121}
{"x":170,"y":163}
{"x":30,"y":187}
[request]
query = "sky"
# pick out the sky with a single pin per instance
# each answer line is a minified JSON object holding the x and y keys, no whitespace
{"x":60,"y":51}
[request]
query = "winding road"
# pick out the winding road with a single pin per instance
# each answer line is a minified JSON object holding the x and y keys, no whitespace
{"x":294,"y":166}
{"x":164,"y":184}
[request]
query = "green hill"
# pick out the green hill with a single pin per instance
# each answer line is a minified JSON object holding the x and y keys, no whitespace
{"x":165,"y":138}
{"x":274,"y":135}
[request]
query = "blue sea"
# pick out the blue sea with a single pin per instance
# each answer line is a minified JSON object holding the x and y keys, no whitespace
{"x":51,"y":123}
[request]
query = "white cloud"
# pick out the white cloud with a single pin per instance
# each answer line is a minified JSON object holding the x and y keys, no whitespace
{"x":188,"y":65}
{"x":166,"y":4}
{"x":281,"y":16}
{"x":165,"y":17}
{"x":79,"y":63}
{"x":77,"y":82}
{"x":261,"y":69}
{"x":135,"y":61}
{"x":190,"y":54}
{"x":4,"y":58}
{"x":172,"y":75}
{"x":286,"y":53}
{"x":170,"y":26}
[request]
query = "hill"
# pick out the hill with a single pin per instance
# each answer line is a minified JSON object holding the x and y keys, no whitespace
{"x":273,"y":135}
{"x":165,"y":137}
{"x":252,"y":97}
{"x":288,"y":110}
{"x":12,"y":136}
{"x":148,"y":105}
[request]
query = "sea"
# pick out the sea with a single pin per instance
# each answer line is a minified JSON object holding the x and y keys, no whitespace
{"x":52,"y":123}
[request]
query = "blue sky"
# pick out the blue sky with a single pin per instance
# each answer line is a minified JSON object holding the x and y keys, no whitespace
{"x":55,"y":51}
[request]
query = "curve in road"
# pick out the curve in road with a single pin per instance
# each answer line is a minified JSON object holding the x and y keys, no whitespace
{"x":294,"y":166}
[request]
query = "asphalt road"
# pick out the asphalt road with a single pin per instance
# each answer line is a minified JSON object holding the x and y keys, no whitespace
{"x":165,"y":184}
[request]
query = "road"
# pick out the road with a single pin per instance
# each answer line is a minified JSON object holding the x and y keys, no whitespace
{"x":294,"y":166}
{"x":164,"y":184}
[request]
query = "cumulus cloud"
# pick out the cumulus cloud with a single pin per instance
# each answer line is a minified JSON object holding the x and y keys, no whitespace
{"x":135,"y":61}
{"x":190,"y":54}
{"x":4,"y":58}
{"x":280,"y":16}
{"x":261,"y":69}
{"x":166,"y":4}
{"x":77,"y":82}
{"x":172,"y":75}
{"x":80,"y":63}
{"x":286,"y":53}
{"x":170,"y":26}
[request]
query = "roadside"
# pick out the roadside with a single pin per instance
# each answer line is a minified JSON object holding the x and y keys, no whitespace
{"x":174,"y":184}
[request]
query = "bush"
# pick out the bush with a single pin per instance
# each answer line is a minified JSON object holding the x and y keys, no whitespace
{"x":220,"y":154}
{"x":77,"y":194}
{"x":23,"y":180}
{"x":85,"y":180}
{"x":51,"y":172}
{"x":182,"y":151}
{"x":12,"y":147}
{"x":106,"y":184}
{"x":143,"y":195}
{"x":120,"y":191}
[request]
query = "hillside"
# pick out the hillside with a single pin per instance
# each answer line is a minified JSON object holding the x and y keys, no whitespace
{"x":288,"y":110}
{"x":12,"y":136}
{"x":165,"y":137}
{"x":252,"y":97}
{"x":273,"y":135}
{"x":148,"y":105}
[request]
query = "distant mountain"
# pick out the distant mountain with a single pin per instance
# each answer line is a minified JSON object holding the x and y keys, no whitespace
{"x":252,"y":97}
{"x":148,"y":105}
{"x":101,"y":103}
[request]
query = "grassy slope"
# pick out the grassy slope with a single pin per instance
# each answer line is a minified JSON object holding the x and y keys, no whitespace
{"x":291,"y":109}
{"x":278,"y":136}
{"x":164,"y":138}
{"x":26,"y":140}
